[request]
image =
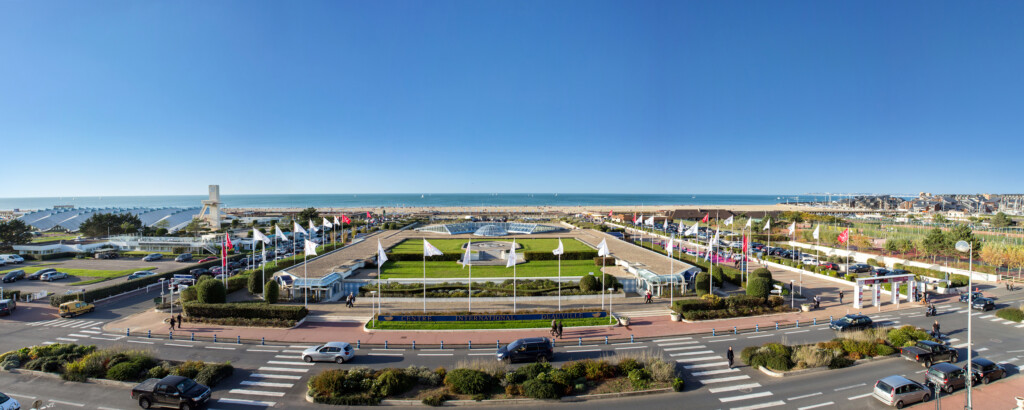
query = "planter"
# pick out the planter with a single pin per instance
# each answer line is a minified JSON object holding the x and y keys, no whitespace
{"x":1020,"y":402}
{"x":941,"y":291}
{"x":806,"y":307}
{"x":624,"y":321}
{"x":675,"y":316}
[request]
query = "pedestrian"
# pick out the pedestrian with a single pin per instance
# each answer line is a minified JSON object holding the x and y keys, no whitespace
{"x":348,"y":300}
{"x":172,"y":323}
{"x":935,"y":330}
{"x":179,"y":321}
{"x":554,"y":327}
{"x":647,"y":296}
{"x":559,"y":329}
{"x":728,"y":355}
{"x":840,"y":297}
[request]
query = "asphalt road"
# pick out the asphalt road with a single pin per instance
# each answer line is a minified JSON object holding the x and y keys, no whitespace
{"x":275,"y":376}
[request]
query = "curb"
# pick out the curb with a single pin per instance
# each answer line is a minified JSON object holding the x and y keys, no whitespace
{"x":371,"y":331}
{"x":802,"y":372}
{"x":105,"y":382}
{"x":502,"y":402}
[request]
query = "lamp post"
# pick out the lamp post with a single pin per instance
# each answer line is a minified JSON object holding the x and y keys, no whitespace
{"x":610,"y":290}
{"x":964,"y":246}
{"x":791,"y":294}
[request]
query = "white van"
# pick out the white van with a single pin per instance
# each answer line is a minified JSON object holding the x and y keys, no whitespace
{"x":11,"y":259}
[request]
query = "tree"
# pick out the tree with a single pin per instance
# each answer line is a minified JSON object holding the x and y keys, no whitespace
{"x":162,"y":224}
{"x":891,"y":246}
{"x":940,"y":218}
{"x":702,"y":282}
{"x":963,"y":232}
{"x":14,"y":232}
{"x":1000,"y":221}
{"x":195,"y":226}
{"x":211,"y":291}
{"x":934,"y":243}
{"x":235,"y":223}
{"x":308,"y":214}
{"x":761,"y":273}
{"x":115,"y":224}
{"x":272,"y":291}
{"x":759,"y":286}
{"x":255,"y":284}
{"x":589,"y":283}
{"x":996,"y":254}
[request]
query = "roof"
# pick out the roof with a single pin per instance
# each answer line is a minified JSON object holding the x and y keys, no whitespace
{"x":896,"y":380}
{"x":945,"y":367}
{"x":336,"y":344}
{"x":982,"y":361}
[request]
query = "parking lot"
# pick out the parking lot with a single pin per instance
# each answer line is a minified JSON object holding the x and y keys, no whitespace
{"x":73,"y":281}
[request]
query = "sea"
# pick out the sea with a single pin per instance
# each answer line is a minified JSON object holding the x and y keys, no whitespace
{"x":399,"y":200}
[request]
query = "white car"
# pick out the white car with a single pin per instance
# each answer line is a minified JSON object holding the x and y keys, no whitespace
{"x":12,"y":259}
{"x":809,"y":260}
{"x":338,"y":352}
{"x":8,"y":403}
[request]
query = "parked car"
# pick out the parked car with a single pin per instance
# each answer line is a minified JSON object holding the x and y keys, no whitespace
{"x":8,"y":306}
{"x":880,"y":272}
{"x":830,"y":266}
{"x":533,"y":348}
{"x":851,"y":322}
{"x":338,"y":352}
{"x":39,"y":273}
{"x":927,"y":352}
{"x":171,"y":391}
{"x":901,"y":272}
{"x":14,"y":276}
{"x":185,"y":257}
{"x":152,"y":257}
{"x":141,"y":274}
{"x":106,"y":255}
{"x":985,"y":371}
{"x":859,"y":268}
{"x":983,"y":304}
{"x":74,"y":308}
{"x":809,"y":260}
{"x":963,"y":296}
{"x":11,"y":258}
{"x":7,"y":403}
{"x":899,"y":391}
{"x":197,"y":272}
{"x":52,"y":276}
{"x":946,"y":376}
{"x":207,"y":259}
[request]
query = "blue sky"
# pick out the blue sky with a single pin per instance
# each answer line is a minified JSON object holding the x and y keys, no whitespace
{"x":146,"y":97}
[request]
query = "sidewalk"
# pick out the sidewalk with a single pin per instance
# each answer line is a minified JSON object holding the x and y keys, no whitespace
{"x":997,"y":395}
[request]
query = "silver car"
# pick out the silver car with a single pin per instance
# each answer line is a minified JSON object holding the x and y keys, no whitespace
{"x":52,"y":276}
{"x":899,"y":391}
{"x":338,"y":352}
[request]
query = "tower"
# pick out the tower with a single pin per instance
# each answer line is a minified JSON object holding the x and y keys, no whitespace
{"x":213,"y":206}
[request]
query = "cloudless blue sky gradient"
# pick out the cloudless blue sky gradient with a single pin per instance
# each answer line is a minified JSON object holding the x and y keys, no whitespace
{"x":157,"y":97}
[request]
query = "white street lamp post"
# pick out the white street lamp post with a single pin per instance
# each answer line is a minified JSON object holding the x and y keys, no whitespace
{"x":964,"y":246}
{"x":610,"y":290}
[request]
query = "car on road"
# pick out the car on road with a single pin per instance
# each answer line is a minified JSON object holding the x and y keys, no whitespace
{"x":859,"y":268}
{"x":851,"y":322}
{"x":141,"y":274}
{"x":207,"y":259}
{"x":12,"y":259}
{"x":7,"y":403}
{"x":13,"y":276}
{"x":532,"y":348}
{"x":52,"y":276}
{"x":901,"y":272}
{"x":185,"y":257}
{"x":152,"y":257}
{"x":983,"y":304}
{"x":8,"y":306}
{"x":946,"y":377}
{"x":172,"y":391}
{"x":39,"y":273}
{"x":74,"y":308}
{"x":985,"y":371}
{"x":899,"y":391}
{"x":963,"y":296}
{"x":928,"y":352}
{"x":338,"y":352}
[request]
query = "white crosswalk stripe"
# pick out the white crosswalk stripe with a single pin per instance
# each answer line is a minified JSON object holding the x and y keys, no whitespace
{"x":673,"y":349}
{"x":691,"y":353}
{"x":705,"y":365}
{"x":734,"y":387}
{"x":248,"y":402}
{"x":725,"y":379}
{"x":761,"y":405}
{"x":745,"y":397}
{"x":712,"y":372}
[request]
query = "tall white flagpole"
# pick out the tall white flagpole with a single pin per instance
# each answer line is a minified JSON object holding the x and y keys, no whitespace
{"x":424,"y":275}
{"x":512,"y":254}
{"x":671,"y":272}
{"x":264,"y":267}
{"x":305,"y":280}
{"x":559,"y":280}
{"x":469,"y":249}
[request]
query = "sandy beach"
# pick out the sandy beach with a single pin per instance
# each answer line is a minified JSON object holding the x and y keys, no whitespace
{"x":647,"y":209}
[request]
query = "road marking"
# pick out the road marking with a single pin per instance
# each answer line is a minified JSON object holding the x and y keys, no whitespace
{"x":797,"y":331}
{"x":817,"y":405}
{"x":274,"y":376}
{"x":700,"y":359}
{"x":67,"y":339}
{"x":745,"y":396}
{"x":849,"y":387}
{"x":678,"y":343}
{"x":719,"y":340}
{"x":48,"y":343}
{"x":755,"y":337}
{"x":282,"y":369}
{"x":107,"y":408}
{"x":290,"y":363}
{"x":672,"y":340}
{"x":299,"y":347}
{"x":67,"y":403}
{"x":859,"y":396}
{"x":712,"y":372}
{"x":804,"y":396}
{"x":22,"y":396}
{"x":725,"y":379}
{"x":1019,"y":326}
{"x":631,"y":347}
{"x":105,"y":338}
{"x":262,"y":350}
{"x":691,"y":353}
{"x":734,"y":387}
{"x":435,"y":354}
{"x":981,"y":350}
{"x":386,"y":350}
{"x":481,"y":354}
{"x":384,"y":354}
{"x":572,"y":346}
{"x":299,"y":351}
{"x":136,"y":341}
{"x":77,"y":335}
{"x":267,"y":384}
{"x":703,"y":365}
{"x":761,"y":406}
{"x":672,"y":349}
{"x":952,"y":340}
{"x":287,"y":356}
{"x":1014,"y":351}
{"x":986,"y":317}
{"x":220,"y":348}
{"x":248,"y":402}
{"x":436,"y":350}
{"x":961,"y":345}
{"x":177,"y":344}
{"x":583,"y":350}
{"x":256,"y":392}
{"x":112,"y":335}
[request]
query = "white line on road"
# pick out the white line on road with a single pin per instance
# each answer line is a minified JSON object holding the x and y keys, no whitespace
{"x":68,"y":403}
{"x":712,"y":372}
{"x":267,"y":384}
{"x":248,"y":402}
{"x":220,"y":348}
{"x":672,"y":349}
{"x":256,"y":392}
{"x":959,"y":345}
{"x":720,"y":340}
{"x":986,"y":317}
{"x":699,"y":359}
{"x":177,"y":344}
{"x":678,"y":343}
{"x":480,"y":354}
{"x":287,"y":356}
{"x":631,"y":347}
{"x":761,"y":406}
{"x":289,"y":363}
{"x":274,"y":376}
{"x":262,"y":350}
{"x":299,"y":351}
{"x":106,"y":408}
{"x":672,"y":340}
{"x":77,"y":335}
{"x":849,"y":387}
{"x":67,"y":339}
{"x":383,"y":354}
{"x":282,"y":369}
{"x":981,"y":350}
{"x":704,"y":365}
{"x":734,"y":387}
{"x":136,"y":341}
{"x":725,"y":379}
{"x":691,"y":353}
{"x":299,"y":347}
{"x":859,"y":396}
{"x":804,"y":396}
{"x":583,"y":350}
{"x":435,"y":354}
{"x":798,"y":331}
{"x":22,"y":396}
{"x":817,"y":405}
{"x":745,"y":396}
{"x":105,"y":338}
{"x":387,"y":350}
{"x":755,"y":337}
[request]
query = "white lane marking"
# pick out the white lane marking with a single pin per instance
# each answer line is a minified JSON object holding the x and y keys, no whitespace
{"x":77,"y":335}
{"x":817,"y":405}
{"x":959,"y":345}
{"x":256,"y":392}
{"x":248,"y":402}
{"x":67,"y":403}
{"x":981,"y":350}
{"x":289,"y":363}
{"x":267,"y":384}
{"x":383,"y":354}
{"x":631,"y":347}
{"x":386,"y":350}
{"x":725,"y":379}
{"x":22,"y":396}
{"x":106,"y":408}
{"x":299,"y":347}
{"x":220,"y":348}
{"x":678,"y":343}
{"x":672,"y":349}
{"x":1019,"y":326}
{"x":952,"y":340}
{"x":672,"y":340}
{"x":105,"y":338}
{"x":583,"y":350}
{"x":287,"y":356}
{"x":804,"y":396}
{"x":849,"y":387}
{"x":720,"y":340}
{"x":297,"y":351}
{"x":274,"y":376}
{"x":112,"y":335}
{"x":435,"y":354}
{"x":797,"y":331}
{"x":986,"y":317}
{"x":859,"y":396}
{"x":481,"y":354}
{"x":705,"y":365}
{"x":67,"y":339}
{"x":761,"y":406}
{"x":734,"y":387}
{"x":713,"y":372}
{"x":177,"y":344}
{"x":755,"y":337}
{"x":282,"y":369}
{"x":745,"y":396}
{"x":48,"y":343}
{"x":140,"y":341}
{"x":691,"y":353}
{"x":699,"y":359}
{"x":262,"y":350}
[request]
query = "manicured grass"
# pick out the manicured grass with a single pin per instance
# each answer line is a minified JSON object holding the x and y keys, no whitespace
{"x":415,"y":246}
{"x":68,"y":237}
{"x":410,"y":269}
{"x":511,"y":324}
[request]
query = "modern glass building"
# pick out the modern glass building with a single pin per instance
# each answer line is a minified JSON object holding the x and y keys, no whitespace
{"x":490,"y":228}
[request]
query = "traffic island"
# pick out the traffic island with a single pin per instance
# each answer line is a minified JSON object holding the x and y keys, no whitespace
{"x":498,"y":320}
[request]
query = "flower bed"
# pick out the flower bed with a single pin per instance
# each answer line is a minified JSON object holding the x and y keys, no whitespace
{"x":523,"y":287}
{"x":837,"y":353}
{"x":715,"y":307}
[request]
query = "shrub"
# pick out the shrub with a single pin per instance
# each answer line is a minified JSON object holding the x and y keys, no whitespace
{"x":326,"y":383}
{"x":531,"y":371}
{"x":775,"y":301}
{"x":882,"y":349}
{"x":640,"y":379}
{"x":255,"y":284}
{"x":125,"y":371}
{"x":589,"y":283}
{"x":748,"y":353}
{"x":211,"y":291}
{"x":629,"y":364}
{"x":424,"y":375}
{"x":435,"y":400}
{"x":540,"y":389}
{"x":778,"y":363}
{"x":761,"y":273}
{"x":839,"y":362}
{"x":245,"y":311}
{"x":811,"y":356}
{"x":873,"y":262}
{"x":575,"y":369}
{"x":598,"y":370}
{"x":158,"y":372}
{"x":213,"y":373}
{"x":272,"y":291}
{"x":759,"y":287}
{"x":778,"y":349}
{"x":1012,"y":314}
{"x":468,"y":381}
{"x":188,"y":369}
{"x":702,"y":283}
{"x":391,"y":382}
{"x":678,"y":384}
{"x":717,"y":275}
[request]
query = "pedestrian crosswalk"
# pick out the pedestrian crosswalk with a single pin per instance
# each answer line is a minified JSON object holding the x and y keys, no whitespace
{"x":71,"y":324}
{"x":728,"y":384}
{"x":282,"y":371}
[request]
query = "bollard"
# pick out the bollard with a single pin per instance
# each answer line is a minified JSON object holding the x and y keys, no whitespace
{"x":630,"y":338}
{"x":606,"y":340}
{"x":712,"y":331}
{"x":776,"y":325}
{"x":497,"y":343}
{"x":756,"y":328}
{"x":798,"y":323}
{"x":815,"y":321}
{"x":149,"y":333}
{"x":830,"y":319}
{"x":734,"y":330}
{"x":413,"y":345}
{"x":359,"y":343}
{"x":263,"y":341}
{"x":442,"y":345}
{"x":581,"y":341}
{"x":127,"y":331}
{"x":470,"y":343}
{"x":214,"y":338}
{"x":193,"y":336}
{"x":385,"y":345}
{"x":238,"y":339}
{"x":170,"y":335}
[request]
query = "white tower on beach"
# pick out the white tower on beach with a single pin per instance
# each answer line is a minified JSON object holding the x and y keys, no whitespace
{"x":213,"y":206}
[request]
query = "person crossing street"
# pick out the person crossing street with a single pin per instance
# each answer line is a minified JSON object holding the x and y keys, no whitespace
{"x":729,"y":356}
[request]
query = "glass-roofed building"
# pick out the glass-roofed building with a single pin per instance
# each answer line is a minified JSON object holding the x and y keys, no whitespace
{"x":490,"y":228}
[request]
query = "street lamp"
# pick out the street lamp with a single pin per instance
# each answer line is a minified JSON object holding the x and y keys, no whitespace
{"x":964,"y":246}
{"x":610,"y":290}
{"x":791,"y":294}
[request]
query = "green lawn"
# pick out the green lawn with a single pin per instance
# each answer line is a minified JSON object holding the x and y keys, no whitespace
{"x":99,"y":275}
{"x":511,"y":324}
{"x":408,"y":270}
{"x":415,"y":246}
{"x":47,"y":238}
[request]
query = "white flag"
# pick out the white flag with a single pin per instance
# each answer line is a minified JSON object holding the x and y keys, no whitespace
{"x":312,"y":228}
{"x":767,"y":225}
{"x":279,"y":234}
{"x":792,"y":228}
{"x":310,"y":247}
{"x":671,"y":245}
{"x":298,"y":229}
{"x":693,"y":229}
{"x":259,"y":236}
{"x":650,"y":221}
{"x":559,"y":250}
{"x":602,"y":249}
{"x":430,"y":250}
{"x":729,"y":221}
{"x":336,"y":222}
{"x":328,"y":224}
{"x":469,"y":254}
{"x":511,"y":256}
{"x":716,"y":237}
{"x":665,"y":225}
{"x":817,"y":231}
{"x":680,"y":228}
{"x":749,"y":220}
{"x":381,"y":256}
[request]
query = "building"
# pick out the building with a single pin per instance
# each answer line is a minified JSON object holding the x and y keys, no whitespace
{"x":70,"y":219}
{"x":490,"y":229}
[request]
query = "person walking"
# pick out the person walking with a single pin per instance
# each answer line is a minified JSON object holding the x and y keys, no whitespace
{"x":559,"y":329}
{"x":647,"y":296}
{"x":348,"y":300}
{"x":935,"y":330}
{"x":179,"y":321}
{"x":172,"y":323}
{"x":729,"y":356}
{"x":840,"y":297}
{"x":554,"y":327}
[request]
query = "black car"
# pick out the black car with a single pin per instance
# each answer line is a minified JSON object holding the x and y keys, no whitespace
{"x":152,"y":257}
{"x":851,"y":322}
{"x":900,"y":272}
{"x":984,"y":370}
{"x":983,"y":304}
{"x":185,"y":257}
{"x":977,"y":295}
{"x":533,"y":348}
{"x":880,"y":272}
{"x":859,"y":268}
{"x":197,"y":272}
{"x":14,"y":276}
{"x":39,"y":273}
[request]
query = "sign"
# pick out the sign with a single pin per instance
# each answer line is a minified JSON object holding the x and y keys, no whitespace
{"x":488,"y":318}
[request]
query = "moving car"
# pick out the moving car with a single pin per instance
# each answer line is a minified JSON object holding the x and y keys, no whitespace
{"x":152,"y":257}
{"x":7,"y":403}
{"x":983,"y":304}
{"x":75,"y":308}
{"x":946,"y":376}
{"x":12,"y":259}
{"x":338,"y":352}
{"x":859,"y":268}
{"x":851,"y":322}
{"x":985,"y":371}
{"x":207,"y":259}
{"x":14,"y":276}
{"x":927,"y":352}
{"x":8,"y":306}
{"x":171,"y":391}
{"x":963,"y":296}
{"x":899,"y":391}
{"x":52,"y":276}
{"x":39,"y":273}
{"x":141,"y":274}
{"x":533,"y":348}
{"x":185,"y":257}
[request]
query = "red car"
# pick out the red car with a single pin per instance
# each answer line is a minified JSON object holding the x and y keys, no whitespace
{"x":830,"y":265}
{"x":207,"y":259}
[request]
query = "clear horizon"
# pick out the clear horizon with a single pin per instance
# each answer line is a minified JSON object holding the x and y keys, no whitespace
{"x":130,"y":98}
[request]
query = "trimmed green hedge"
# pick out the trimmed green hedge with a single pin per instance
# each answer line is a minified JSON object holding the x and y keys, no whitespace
{"x":245,"y":311}
{"x":1012,"y":314}
{"x":567,"y":256}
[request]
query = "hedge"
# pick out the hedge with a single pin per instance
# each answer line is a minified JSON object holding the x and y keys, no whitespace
{"x":1011,"y":314}
{"x":49,"y":256}
{"x":955,"y":279}
{"x":759,"y":287}
{"x":119,"y":288}
{"x":245,"y":311}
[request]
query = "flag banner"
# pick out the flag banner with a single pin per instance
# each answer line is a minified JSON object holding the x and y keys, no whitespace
{"x":792,"y":228}
{"x":344,"y":219}
{"x":259,"y":236}
{"x":310,"y":247}
{"x":729,"y":221}
{"x":312,"y":228}
{"x":693,"y":230}
{"x":279,"y":233}
{"x":749,"y":220}
{"x":468,"y":256}
{"x":609,"y":213}
{"x":559,"y":250}
{"x":368,"y":216}
{"x":817,"y":232}
{"x":671,"y":245}
{"x":511,"y":256}
{"x":706,"y":217}
{"x":634,"y":219}
{"x":381,"y":256}
{"x":298,"y":229}
{"x":746,"y":244}
{"x":328,"y":224}
{"x":602,"y":249}
{"x":845,"y":236}
{"x":680,"y":228}
{"x":767,"y":225}
{"x":336,"y":220}
{"x":430,"y":250}
{"x":227,"y":242}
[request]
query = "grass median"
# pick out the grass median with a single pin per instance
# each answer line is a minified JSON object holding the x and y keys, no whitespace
{"x":475,"y":325}
{"x":415,"y":246}
{"x":412,"y":270}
